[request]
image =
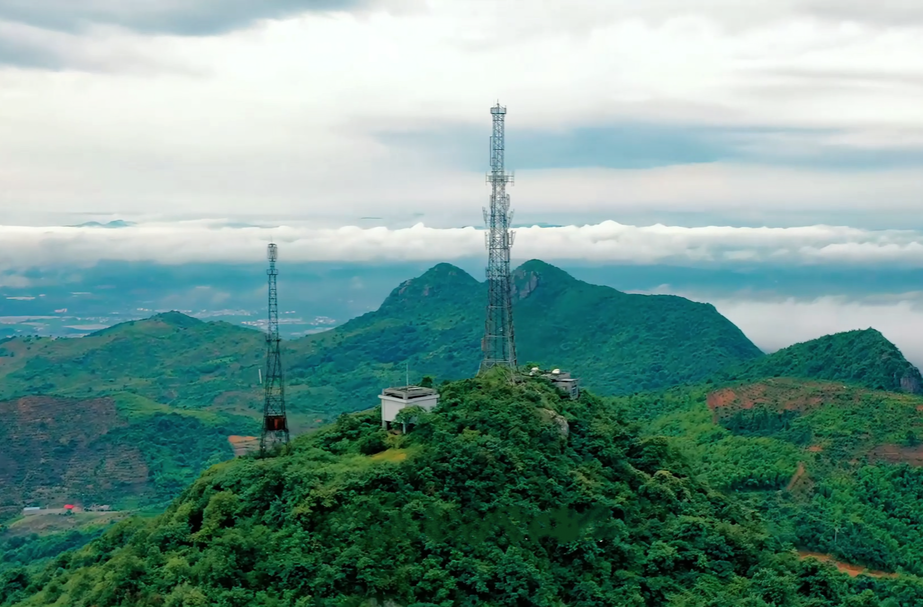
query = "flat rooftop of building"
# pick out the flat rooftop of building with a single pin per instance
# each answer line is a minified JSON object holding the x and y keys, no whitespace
{"x":552,"y":375}
{"x":409,"y":392}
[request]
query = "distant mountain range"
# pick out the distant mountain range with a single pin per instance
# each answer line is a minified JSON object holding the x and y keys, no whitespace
{"x":118,"y":223}
{"x":171,"y":381}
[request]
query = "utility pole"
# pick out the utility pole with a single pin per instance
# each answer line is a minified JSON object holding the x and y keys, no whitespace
{"x":499,"y":345}
{"x":275,"y":423}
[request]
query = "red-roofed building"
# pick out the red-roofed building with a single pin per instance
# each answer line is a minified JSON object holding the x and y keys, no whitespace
{"x":68,"y":506}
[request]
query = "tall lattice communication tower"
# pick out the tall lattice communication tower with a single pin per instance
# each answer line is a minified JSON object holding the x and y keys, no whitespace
{"x":275,"y":423}
{"x":499,"y":345}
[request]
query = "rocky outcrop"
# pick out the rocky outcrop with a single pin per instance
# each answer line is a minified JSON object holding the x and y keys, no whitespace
{"x":912,"y":384}
{"x":556,"y":418}
{"x":524,"y":284}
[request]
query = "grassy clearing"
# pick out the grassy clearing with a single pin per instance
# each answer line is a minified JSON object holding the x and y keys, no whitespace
{"x":134,"y":407}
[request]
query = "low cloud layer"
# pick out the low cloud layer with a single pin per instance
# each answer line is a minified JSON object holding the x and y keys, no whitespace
{"x":772,"y":325}
{"x":24,"y":247}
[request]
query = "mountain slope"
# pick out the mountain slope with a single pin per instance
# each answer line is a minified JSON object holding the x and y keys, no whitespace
{"x":132,"y":412}
{"x":836,"y":468}
{"x":100,"y":451}
{"x":618,"y":342}
{"x":485,"y":502}
{"x":429,"y":325}
{"x":863,"y":357}
{"x":171,"y":359}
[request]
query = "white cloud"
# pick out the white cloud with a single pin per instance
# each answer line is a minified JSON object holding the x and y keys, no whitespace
{"x":14,"y":281}
{"x":772,"y":325}
{"x":265,"y":187}
{"x":279,"y":117}
{"x":22,"y":247}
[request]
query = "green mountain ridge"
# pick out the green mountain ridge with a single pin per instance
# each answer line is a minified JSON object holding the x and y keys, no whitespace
{"x":173,"y":363}
{"x":865,"y":357}
{"x":827,"y":464}
{"x":488,"y":501}
{"x":835,"y":468}
{"x":181,"y":385}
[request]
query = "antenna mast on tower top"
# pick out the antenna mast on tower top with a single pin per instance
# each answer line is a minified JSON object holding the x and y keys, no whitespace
{"x":275,"y":423}
{"x":499,"y":345}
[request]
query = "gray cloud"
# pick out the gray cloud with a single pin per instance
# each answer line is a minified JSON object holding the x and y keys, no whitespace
{"x":182,"y":17}
{"x":779,"y":323}
{"x":848,"y":77}
{"x":26,"y":46}
{"x":885,"y":12}
{"x":641,"y":145}
{"x":609,"y":241}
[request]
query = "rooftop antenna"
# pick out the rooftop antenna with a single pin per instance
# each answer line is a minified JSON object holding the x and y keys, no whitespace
{"x":407,"y":371}
{"x":275,"y":423}
{"x":499,"y":345}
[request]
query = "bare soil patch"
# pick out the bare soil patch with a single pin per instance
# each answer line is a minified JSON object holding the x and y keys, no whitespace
{"x":850,"y":569}
{"x":243,"y":445}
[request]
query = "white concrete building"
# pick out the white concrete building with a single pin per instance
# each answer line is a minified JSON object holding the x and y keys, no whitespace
{"x":561,"y":380}
{"x":393,"y":400}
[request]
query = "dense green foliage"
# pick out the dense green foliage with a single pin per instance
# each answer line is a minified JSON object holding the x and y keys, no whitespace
{"x":862,"y":357}
{"x":18,"y":551}
{"x":488,"y":501}
{"x":870,"y":514}
{"x":618,"y":343}
{"x":821,"y":461}
{"x":176,"y":449}
{"x":120,"y":451}
{"x":208,"y":372}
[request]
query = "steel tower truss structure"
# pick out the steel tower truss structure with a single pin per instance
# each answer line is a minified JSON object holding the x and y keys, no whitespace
{"x":275,"y":423}
{"x":499,"y":345}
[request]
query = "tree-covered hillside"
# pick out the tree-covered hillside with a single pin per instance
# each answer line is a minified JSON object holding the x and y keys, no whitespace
{"x":506,"y":495}
{"x":835,"y":468}
{"x":620,"y":343}
{"x":207,"y":372}
{"x":864,"y":357}
{"x":110,"y":450}
{"x":617,"y":343}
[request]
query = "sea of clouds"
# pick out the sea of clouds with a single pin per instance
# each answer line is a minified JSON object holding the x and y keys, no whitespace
{"x":23,"y":247}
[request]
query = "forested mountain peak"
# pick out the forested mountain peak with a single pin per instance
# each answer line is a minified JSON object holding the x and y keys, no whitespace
{"x":443,"y":274}
{"x":169,"y":321}
{"x":484,"y":502}
{"x":440,"y":281}
{"x":176,"y":319}
{"x":535,"y":274}
{"x":863,"y":357}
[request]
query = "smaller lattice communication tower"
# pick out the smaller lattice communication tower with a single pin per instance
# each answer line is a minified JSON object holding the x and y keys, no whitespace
{"x":499,"y":344}
{"x":275,"y":423}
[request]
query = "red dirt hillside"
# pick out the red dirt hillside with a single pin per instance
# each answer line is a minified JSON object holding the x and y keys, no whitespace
{"x":53,"y":446}
{"x":775,"y":394}
{"x":847,"y":423}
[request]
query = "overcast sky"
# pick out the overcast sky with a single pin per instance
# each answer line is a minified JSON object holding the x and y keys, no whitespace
{"x":794,"y":125}
{"x":734,"y":111}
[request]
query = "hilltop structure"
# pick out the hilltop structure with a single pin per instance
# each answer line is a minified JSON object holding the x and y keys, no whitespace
{"x":394,"y":400}
{"x":275,"y":422}
{"x":560,"y":380}
{"x":499,"y":345}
